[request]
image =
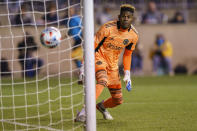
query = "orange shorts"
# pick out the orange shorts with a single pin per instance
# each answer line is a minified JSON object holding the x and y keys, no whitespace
{"x":112,"y":77}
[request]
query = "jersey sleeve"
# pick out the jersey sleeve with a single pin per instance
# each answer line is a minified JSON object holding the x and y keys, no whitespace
{"x":102,"y":34}
{"x":128,"y":53}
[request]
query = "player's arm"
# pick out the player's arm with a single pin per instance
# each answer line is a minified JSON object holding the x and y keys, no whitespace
{"x":127,"y":64}
{"x":127,"y":56}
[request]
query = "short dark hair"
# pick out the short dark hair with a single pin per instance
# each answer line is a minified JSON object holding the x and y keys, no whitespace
{"x":127,"y":7}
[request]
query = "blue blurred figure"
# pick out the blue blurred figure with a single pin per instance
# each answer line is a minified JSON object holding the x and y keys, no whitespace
{"x":75,"y":24}
{"x":30,"y":65}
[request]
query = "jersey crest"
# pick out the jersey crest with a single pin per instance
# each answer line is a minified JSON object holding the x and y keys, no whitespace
{"x":126,"y":41}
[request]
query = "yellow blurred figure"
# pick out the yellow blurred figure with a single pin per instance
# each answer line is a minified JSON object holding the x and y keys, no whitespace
{"x":161,"y":55}
{"x":77,"y":53}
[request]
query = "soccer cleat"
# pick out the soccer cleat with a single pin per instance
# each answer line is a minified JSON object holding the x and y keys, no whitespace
{"x":80,"y":117}
{"x":106,"y":114}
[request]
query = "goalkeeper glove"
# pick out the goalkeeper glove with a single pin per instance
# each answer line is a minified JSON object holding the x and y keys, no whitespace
{"x":127,"y":79}
{"x":81,"y":75}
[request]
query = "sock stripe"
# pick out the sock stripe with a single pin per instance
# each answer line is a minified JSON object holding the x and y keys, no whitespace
{"x":113,"y":89}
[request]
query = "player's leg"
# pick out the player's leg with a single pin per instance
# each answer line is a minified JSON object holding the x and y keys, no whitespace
{"x":115,"y":90}
{"x":102,"y":81}
{"x":81,"y":116}
{"x":99,"y":88}
{"x":116,"y":94}
{"x":104,"y":111}
{"x":113,"y":101}
{"x":101,"y":77}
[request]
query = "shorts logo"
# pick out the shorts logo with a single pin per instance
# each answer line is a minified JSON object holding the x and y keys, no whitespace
{"x":126,"y":41}
{"x":98,"y":62}
{"x":111,"y":38}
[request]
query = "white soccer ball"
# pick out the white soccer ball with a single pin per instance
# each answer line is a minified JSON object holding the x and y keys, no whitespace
{"x":50,"y":37}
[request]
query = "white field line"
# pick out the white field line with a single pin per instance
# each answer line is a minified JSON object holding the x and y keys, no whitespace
{"x":136,"y":103}
{"x":22,"y":124}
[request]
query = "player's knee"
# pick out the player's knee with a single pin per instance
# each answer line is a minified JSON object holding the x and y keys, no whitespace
{"x":117,"y":101}
{"x":102,"y":82}
{"x":101,"y":77}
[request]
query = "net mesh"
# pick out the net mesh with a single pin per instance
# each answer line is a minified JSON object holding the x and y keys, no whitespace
{"x":38,"y":85}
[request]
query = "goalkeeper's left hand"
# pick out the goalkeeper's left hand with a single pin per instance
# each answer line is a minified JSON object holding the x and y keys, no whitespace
{"x":127,"y":79}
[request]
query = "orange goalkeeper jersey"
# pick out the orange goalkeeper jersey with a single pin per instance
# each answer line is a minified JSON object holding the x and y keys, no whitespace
{"x":110,"y":40}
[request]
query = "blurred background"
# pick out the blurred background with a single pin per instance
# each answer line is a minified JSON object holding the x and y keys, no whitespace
{"x":167,"y":34}
{"x":173,"y":20}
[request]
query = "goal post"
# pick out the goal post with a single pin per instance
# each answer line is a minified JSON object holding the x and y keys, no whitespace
{"x":90,"y":101}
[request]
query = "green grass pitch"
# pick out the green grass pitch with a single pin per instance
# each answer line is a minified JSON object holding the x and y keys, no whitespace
{"x":154,"y":104}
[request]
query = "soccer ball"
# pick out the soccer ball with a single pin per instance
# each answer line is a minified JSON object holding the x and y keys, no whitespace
{"x":50,"y":37}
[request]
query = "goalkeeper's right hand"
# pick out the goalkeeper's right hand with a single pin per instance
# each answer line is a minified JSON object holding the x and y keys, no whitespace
{"x":81,"y":75}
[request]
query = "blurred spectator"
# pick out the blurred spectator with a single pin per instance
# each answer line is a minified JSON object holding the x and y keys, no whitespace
{"x":64,"y":20}
{"x":178,"y":18}
{"x":75,"y":24}
{"x":50,"y":17}
{"x":23,"y":17}
{"x":161,"y":55}
{"x":62,"y":4}
{"x":29,"y":64}
{"x":137,"y":61}
{"x":65,"y":17}
{"x":5,"y":71}
{"x":152,"y":15}
{"x":104,"y":16}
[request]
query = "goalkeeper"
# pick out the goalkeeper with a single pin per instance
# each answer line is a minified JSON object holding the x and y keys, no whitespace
{"x":111,"y":39}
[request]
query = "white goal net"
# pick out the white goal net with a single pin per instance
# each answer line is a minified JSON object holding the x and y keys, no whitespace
{"x":39,"y":86}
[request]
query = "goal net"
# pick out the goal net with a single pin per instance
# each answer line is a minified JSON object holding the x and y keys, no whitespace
{"x":38,"y":85}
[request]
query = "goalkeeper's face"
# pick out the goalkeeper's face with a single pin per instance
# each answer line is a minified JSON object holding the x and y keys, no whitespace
{"x":125,"y":18}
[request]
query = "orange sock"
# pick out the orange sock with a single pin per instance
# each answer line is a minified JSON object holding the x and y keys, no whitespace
{"x":109,"y":103}
{"x":99,"y":89}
